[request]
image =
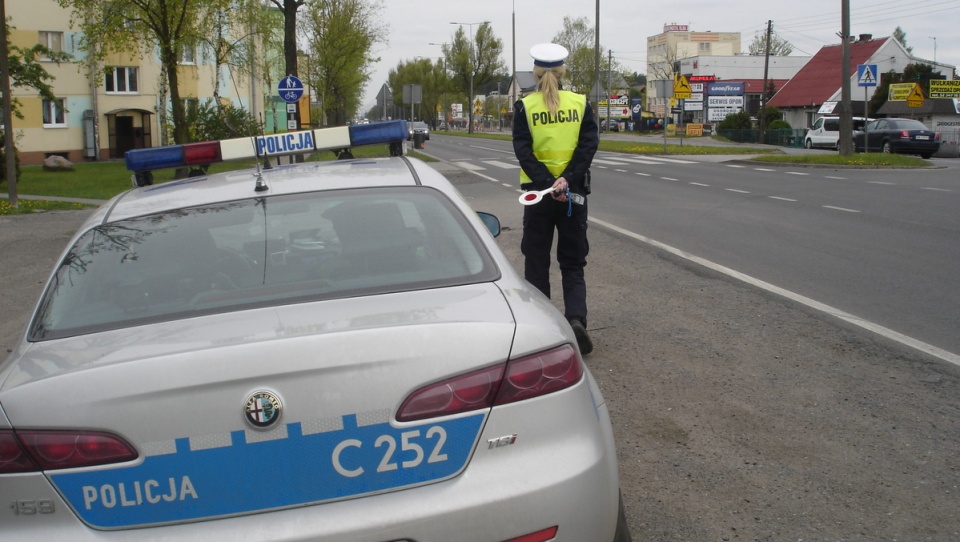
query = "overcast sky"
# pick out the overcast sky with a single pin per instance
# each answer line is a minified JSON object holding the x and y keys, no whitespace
{"x":931,"y":26}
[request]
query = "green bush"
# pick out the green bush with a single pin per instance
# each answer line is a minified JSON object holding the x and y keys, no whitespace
{"x":737,"y":121}
{"x":211,"y":123}
{"x":779,"y":124}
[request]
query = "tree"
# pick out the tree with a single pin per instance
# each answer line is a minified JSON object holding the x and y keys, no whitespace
{"x":912,"y":73}
{"x":474,"y":64}
{"x":901,"y":36}
{"x":168,"y":28}
{"x":577,"y":37}
{"x":20,"y":69}
{"x":341,"y":35}
{"x":778,"y":45}
{"x":289,"y":9}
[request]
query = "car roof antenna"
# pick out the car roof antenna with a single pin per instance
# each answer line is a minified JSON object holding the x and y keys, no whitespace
{"x":261,"y":183}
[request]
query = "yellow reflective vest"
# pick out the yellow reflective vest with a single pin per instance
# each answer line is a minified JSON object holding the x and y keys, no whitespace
{"x":555,"y":136}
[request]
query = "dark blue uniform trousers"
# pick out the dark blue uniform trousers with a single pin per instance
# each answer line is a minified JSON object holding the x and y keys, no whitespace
{"x":539,"y":222}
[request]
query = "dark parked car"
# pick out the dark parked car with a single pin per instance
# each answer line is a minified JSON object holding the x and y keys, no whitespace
{"x":902,"y":136}
{"x":417,"y":127}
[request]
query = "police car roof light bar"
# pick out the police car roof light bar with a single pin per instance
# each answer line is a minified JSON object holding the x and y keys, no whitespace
{"x":246,"y":148}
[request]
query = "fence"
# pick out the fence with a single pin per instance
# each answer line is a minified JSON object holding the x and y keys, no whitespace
{"x":786,"y":137}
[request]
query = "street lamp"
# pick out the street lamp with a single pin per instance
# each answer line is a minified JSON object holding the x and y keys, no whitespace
{"x":470,"y":54}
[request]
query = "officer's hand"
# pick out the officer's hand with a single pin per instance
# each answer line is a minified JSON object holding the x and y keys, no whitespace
{"x":560,"y":189}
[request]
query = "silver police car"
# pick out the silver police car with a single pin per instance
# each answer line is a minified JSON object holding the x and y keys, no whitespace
{"x":326,"y":351}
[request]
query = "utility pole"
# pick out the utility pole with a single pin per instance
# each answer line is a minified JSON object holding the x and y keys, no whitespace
{"x":846,"y":117}
{"x":609,"y":65}
{"x":596,"y":59}
{"x":763,"y":90}
{"x":8,"y":147}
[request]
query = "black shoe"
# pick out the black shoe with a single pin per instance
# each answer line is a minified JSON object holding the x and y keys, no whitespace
{"x":583,"y":338}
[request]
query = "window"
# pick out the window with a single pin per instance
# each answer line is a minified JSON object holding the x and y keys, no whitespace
{"x":704,"y":47}
{"x":122,"y":80}
{"x":189,"y":55}
{"x":53,"y":114}
{"x":52,"y":41}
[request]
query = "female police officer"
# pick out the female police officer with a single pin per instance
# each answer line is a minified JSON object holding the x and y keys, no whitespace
{"x":555,"y":137}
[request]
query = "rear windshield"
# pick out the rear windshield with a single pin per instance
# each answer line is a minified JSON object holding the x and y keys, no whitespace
{"x":260,"y":252}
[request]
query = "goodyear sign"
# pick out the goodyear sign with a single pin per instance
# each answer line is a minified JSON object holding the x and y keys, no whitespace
{"x":940,"y":88}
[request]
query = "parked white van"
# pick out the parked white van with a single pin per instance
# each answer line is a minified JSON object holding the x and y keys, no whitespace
{"x":825,"y":132}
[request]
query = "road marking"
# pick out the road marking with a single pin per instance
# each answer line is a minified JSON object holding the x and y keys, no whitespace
{"x":699,"y":184}
{"x":816,"y":305}
{"x":641,"y":161}
{"x":621,"y":171}
{"x":737,"y":191}
{"x":763,"y":169}
{"x":796,"y":173}
{"x":836,"y":178}
{"x":935,"y":189}
{"x":736,"y":166}
{"x":470,"y":167}
{"x":608,"y":162}
{"x":642,"y":174}
{"x":669,"y":179}
{"x":501,"y":165}
{"x":781,"y":199}
{"x":844,"y":209}
{"x":881,"y":182}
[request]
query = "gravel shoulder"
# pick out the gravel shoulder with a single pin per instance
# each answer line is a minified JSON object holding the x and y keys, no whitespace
{"x":738,"y":415}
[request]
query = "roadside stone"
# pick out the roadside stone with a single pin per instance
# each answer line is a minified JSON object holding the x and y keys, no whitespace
{"x":57,"y":163}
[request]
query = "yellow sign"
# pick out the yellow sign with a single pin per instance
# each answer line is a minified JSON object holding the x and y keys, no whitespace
{"x":695,"y":130}
{"x":681,"y":87}
{"x":899,"y":91}
{"x":941,"y":88}
{"x":915,"y":99}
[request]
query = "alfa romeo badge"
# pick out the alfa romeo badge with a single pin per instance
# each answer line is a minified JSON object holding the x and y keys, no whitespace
{"x":262,"y":409}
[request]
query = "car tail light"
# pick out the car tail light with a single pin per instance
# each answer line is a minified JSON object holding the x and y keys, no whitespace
{"x":904,"y":134}
{"x":936,"y":136}
{"x":539,"y":536}
{"x":25,"y":451}
{"x":523,"y":378}
{"x":12,"y":457}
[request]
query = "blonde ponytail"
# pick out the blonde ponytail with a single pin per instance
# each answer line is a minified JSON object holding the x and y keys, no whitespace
{"x":548,"y":83}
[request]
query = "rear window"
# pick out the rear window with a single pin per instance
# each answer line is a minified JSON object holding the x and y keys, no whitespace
{"x":260,"y":252}
{"x":908,"y":124}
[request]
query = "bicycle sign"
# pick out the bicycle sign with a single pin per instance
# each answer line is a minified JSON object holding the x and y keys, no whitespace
{"x":290,"y":89}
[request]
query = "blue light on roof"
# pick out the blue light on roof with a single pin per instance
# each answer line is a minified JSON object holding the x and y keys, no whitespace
{"x":378,"y":133}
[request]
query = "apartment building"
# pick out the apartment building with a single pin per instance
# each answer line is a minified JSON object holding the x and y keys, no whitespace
{"x":125,"y":110}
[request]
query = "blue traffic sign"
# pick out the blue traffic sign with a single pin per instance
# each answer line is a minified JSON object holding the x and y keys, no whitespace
{"x":866,"y":75}
{"x":290,"y":89}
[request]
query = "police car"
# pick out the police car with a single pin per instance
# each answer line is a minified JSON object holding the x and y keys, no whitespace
{"x":328,"y":351}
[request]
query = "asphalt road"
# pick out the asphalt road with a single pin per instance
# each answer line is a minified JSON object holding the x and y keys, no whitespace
{"x":878,"y":246}
{"x":738,"y":414}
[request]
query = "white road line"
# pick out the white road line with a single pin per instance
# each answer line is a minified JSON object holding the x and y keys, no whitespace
{"x":737,"y":191}
{"x":469,"y":167}
{"x":502,"y":165}
{"x":641,"y":161}
{"x":763,"y":169}
{"x":669,"y":179}
{"x":607,"y":162}
{"x":836,"y":178}
{"x":796,"y":173}
{"x":642,"y":174}
{"x":781,"y":199}
{"x":621,"y":171}
{"x":669,"y":160}
{"x":699,"y":184}
{"x":844,"y":209}
{"x":935,"y":189}
{"x":816,"y":305}
{"x":881,"y":182}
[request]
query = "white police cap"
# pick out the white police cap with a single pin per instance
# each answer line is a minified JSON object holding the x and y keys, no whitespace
{"x":548,"y":55}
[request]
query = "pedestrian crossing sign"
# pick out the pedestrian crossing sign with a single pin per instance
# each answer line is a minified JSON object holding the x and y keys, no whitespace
{"x":866,"y":75}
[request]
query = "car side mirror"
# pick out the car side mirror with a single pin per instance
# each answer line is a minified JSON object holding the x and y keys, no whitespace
{"x":491,"y":222}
